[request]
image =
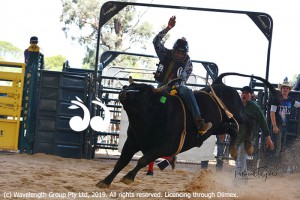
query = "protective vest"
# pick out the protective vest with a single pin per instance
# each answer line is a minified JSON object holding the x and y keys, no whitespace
{"x":168,"y":69}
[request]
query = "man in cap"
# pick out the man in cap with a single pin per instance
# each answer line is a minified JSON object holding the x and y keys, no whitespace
{"x":33,"y":47}
{"x":254,"y":111}
{"x":279,"y":113}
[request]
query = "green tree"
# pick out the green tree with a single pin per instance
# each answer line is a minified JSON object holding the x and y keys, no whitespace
{"x":55,"y":63}
{"x":123,"y":32}
{"x":9,"y":52}
{"x":295,"y":78}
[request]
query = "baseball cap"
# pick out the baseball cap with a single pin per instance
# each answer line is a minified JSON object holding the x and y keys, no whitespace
{"x":34,"y":39}
{"x":247,"y":89}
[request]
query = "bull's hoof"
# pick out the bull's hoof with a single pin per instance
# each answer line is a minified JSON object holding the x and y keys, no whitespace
{"x":249,"y":150}
{"x":101,"y":184}
{"x":233,"y":153}
{"x":126,"y":180}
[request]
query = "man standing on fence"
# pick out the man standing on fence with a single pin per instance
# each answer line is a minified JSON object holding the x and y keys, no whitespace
{"x":34,"y":48}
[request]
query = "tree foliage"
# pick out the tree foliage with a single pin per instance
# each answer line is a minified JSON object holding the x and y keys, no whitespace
{"x":54,"y":63}
{"x":9,"y":52}
{"x":123,"y":32}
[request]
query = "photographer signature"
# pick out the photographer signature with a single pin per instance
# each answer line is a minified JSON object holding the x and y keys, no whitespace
{"x":260,"y":172}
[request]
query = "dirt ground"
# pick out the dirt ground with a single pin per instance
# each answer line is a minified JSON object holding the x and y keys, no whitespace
{"x":42,"y":176}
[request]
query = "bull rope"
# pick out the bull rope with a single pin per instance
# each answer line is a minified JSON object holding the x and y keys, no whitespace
{"x":217,"y":100}
{"x":217,"y":103}
{"x":183,"y":133}
{"x":220,"y":102}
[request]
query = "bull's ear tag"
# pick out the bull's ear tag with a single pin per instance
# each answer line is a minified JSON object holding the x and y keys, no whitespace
{"x":163,"y":99}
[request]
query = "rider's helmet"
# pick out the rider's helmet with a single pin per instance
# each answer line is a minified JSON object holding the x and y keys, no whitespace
{"x":181,"y":45}
{"x":180,"y":49}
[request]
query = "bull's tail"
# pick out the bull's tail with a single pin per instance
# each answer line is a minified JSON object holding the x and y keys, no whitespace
{"x":267,"y":83}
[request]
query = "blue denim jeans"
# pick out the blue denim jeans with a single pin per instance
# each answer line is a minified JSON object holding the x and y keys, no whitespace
{"x":279,"y":139}
{"x":241,"y":161}
{"x":190,"y":100}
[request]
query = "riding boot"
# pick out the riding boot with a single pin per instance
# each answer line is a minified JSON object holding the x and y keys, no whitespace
{"x":202,"y":126}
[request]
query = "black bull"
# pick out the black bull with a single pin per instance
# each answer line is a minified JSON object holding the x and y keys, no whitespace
{"x":155,"y":127}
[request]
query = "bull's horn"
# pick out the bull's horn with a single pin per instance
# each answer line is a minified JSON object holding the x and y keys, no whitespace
{"x":161,"y":89}
{"x":130,"y":80}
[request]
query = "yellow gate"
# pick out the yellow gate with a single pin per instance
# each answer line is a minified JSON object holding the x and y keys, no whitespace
{"x":11,"y":91}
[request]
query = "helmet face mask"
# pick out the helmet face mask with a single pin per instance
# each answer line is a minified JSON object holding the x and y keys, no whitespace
{"x":180,"y":50}
{"x":179,"y":54}
{"x":181,"y":45}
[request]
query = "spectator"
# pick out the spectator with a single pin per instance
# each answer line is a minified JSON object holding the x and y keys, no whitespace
{"x":279,"y":112}
{"x":34,"y":48}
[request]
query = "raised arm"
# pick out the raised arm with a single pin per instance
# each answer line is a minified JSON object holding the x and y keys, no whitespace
{"x":157,"y":41}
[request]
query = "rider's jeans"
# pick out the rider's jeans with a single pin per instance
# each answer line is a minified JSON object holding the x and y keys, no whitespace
{"x":190,"y":100}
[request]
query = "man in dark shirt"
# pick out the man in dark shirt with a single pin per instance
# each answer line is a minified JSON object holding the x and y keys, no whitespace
{"x":33,"y":47}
